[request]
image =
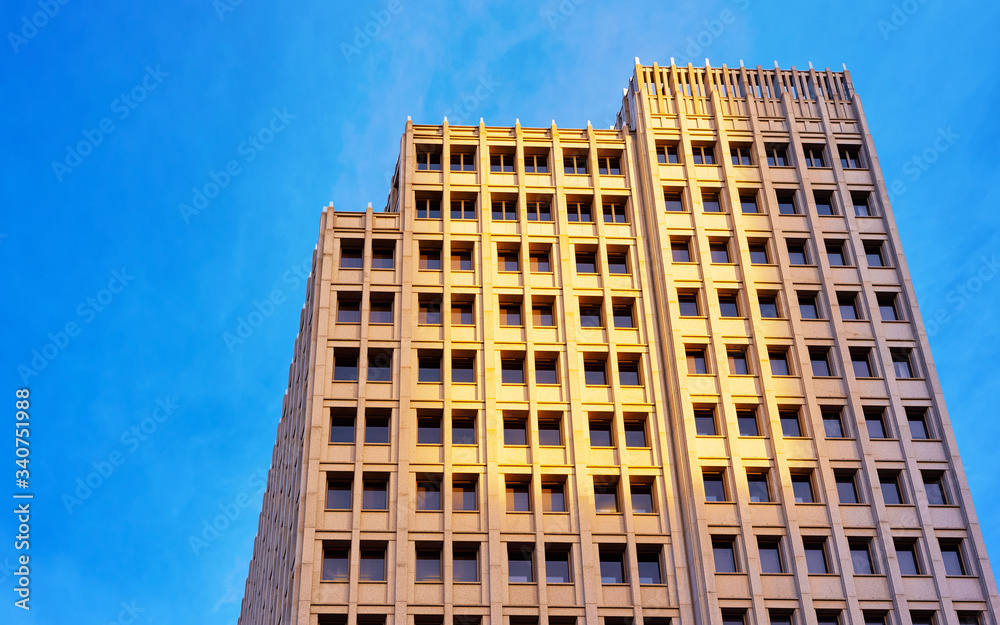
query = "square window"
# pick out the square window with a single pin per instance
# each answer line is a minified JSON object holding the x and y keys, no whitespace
{"x":906,"y":557}
{"x":590,"y":316}
{"x":847,"y":489}
{"x":512,"y":370}
{"x":465,"y":563}
{"x":546,"y":371}
{"x":760,"y":491}
{"x":769,"y":308}
{"x":687,"y":304}
{"x":623,"y":316}
{"x":550,"y":432}
{"x":748,"y":203}
{"x":836,"y":254}
{"x":345,"y":365}
{"x":779,"y":361}
{"x":850,"y":157}
{"x":680,"y":250}
{"x":791,"y":427}
{"x":674,"y":202}
{"x":515,"y":432}
{"x":642,"y":498}
{"x":618,"y":263}
{"x":430,"y":258}
{"x":738,"y":361}
{"x":809,"y":305}
{"x":428,"y":429}
{"x":606,"y":497}
{"x":428,"y":207}
{"x":861,"y":557}
{"x":463,"y":495}
{"x":537,"y":163}
{"x":874,"y":254}
{"x":520,"y":563}
{"x":376,"y":427}
{"x":463,"y":208}
{"x":951,"y":553}
{"x":769,"y":550}
{"x":575,"y":164}
{"x":848,"y":305}
{"x":612,"y":561}
{"x":747,"y":422}
{"x":875,"y":422}
{"x":892,"y":491}
{"x":667,"y":154}
{"x":539,"y":210}
{"x":786,"y":203}
{"x":703,"y":154}
{"x":820,"y":359}
{"x":824,"y":203}
{"x":374,"y":494}
{"x":557,"y":564}
{"x":504,"y":210}
{"x":779,"y":617}
{"x":814,"y":155}
{"x":719,"y":251}
{"x":595,"y":372}
{"x":802,"y":488}
{"x":429,"y":493}
{"x":348,"y":308}
{"x":615,"y":212}
{"x":715,"y":487}
{"x":710,"y":202}
{"x":381,"y":308}
{"x":429,"y":310}
{"x":352,"y":255}
{"x":759,"y":254}
{"x":463,"y":161}
{"x":917,"y":420}
{"x":428,"y":368}
{"x":428,"y":158}
{"x":777,"y":155}
{"x":729,"y":305}
{"x":342,"y":426}
{"x":539,"y":261}
{"x":731,"y":617}
{"x":335,"y":564}
{"x":586,"y":262}
{"x":724,"y":553}
{"x":554,"y":496}
{"x":510,"y":314}
{"x":379,"y":365}
{"x":463,"y":430}
{"x":542,"y":316}
{"x":796,"y":252}
{"x":629,"y":372}
{"x":463,"y":370}
{"x":461,"y":259}
{"x":697,"y":364}
{"x":741,"y":155}
{"x":462,"y":313}
{"x":383,"y":255}
{"x":339,"y":492}
{"x":648,"y":564}
{"x":833,"y":424}
{"x":601,"y":432}
{"x":861,"y":362}
{"x":935,"y":490}
{"x":816,"y":561}
{"x":902,"y":363}
{"x":704,"y":422}
{"x":862,"y":201}
{"x":888,"y":306}
{"x":609,"y":166}
{"x":635,"y":432}
{"x":581,"y":212}
{"x":502,"y":163}
{"x":518,"y":496}
{"x":508,"y":261}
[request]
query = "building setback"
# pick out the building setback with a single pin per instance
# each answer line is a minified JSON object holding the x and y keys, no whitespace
{"x":671,"y":372}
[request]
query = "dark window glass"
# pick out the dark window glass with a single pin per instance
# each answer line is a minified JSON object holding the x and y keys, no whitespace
{"x":463,"y":496}
{"x":553,"y":497}
{"x":429,"y":431}
{"x":847,"y":490}
{"x":606,"y":497}
{"x":374,"y":495}
{"x":704,"y":422}
{"x":635,"y":434}
{"x":465,"y":564}
{"x":612,"y":566}
{"x":520,"y":566}
{"x":550,"y":433}
{"x":518,"y":497}
{"x":760,"y":492}
{"x":338,"y":494}
{"x":335,"y":565}
{"x":688,"y":305}
{"x":715,"y":487}
{"x":725,"y":555}
{"x":515,"y":432}
{"x":802,"y":488}
{"x":342,"y":430}
{"x":557,"y":565}
{"x":861,"y":558}
{"x":463,"y":431}
{"x":429,"y":494}
{"x":770,"y":555}
{"x":642,"y":499}
{"x":816,"y":557}
{"x":648,"y":563}
{"x":791,"y":427}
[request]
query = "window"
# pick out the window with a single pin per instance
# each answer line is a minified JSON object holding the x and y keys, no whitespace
{"x":429,"y":492}
{"x":741,"y":155}
{"x":849,"y":308}
{"x":836,"y":254}
{"x":791,"y":427}
{"x":635,"y":432}
{"x":760,"y":491}
{"x":687,"y":303}
{"x":348,"y":308}
{"x":680,"y":250}
{"x":539,"y":261}
{"x":590,"y":315}
{"x":463,"y":208}
{"x":935,"y":490}
{"x":504,"y":210}
{"x":338,"y":491}
{"x":759,"y":254}
{"x":779,"y":361}
{"x":715,"y":486}
{"x":515,"y":431}
{"x":733,"y":617}
{"x":508,"y":260}
{"x":874,"y":254}
{"x":579,"y":212}
{"x":863,"y":205}
{"x":510,"y":313}
{"x":575,"y":164}
{"x":618,"y":262}
{"x":861,"y":362}
{"x":814,"y":155}
{"x":769,"y":550}
{"x":724,"y":552}
{"x":769,"y":308}
{"x":428,"y":207}
{"x":502,"y":163}
{"x":902,"y":363}
{"x":377,"y":426}
{"x":704,"y":422}
{"x":642,"y":498}
{"x":777,"y":155}
{"x":729,"y":305}
{"x":797,"y":254}
{"x":850,"y":157}
{"x":892,"y":491}
{"x":461,"y":259}
{"x":539,"y":210}
{"x":809,"y":305}
{"x":463,"y":161}
{"x":622,"y":313}
{"x":536,"y":163}
{"x":779,"y":617}
{"x":615,"y":212}
{"x":379,"y":365}
{"x":381,"y":308}
{"x":609,"y":166}
{"x":601,"y":431}
{"x":428,"y":367}
{"x":874,"y":618}
{"x":710,"y":201}
{"x":463,"y":495}
{"x":546,"y":371}
{"x":430,"y":258}
{"x":557,"y":565}
{"x":463,"y":368}
{"x":352,"y":255}
{"x":429,"y":310}
{"x":738,"y":363}
{"x":606,"y":497}
{"x":833,"y":424}
{"x":696,"y":362}
{"x":820,"y":359}
{"x":802,"y":488}
{"x":922,"y":618}
{"x":861,"y":556}
{"x":629,"y":372}
{"x":518,"y":495}
{"x":463,"y":430}
{"x":786,"y":203}
{"x":667,"y":154}
{"x":648,"y":563}
{"x":612,"y":559}
{"x":674,"y":202}
{"x":824,"y":203}
{"x":906,"y":557}
{"x":345,"y":365}
{"x":462,"y":312}
{"x":875,"y":422}
{"x":703,"y":154}
{"x":550,"y":431}
{"x":917,"y":420}
{"x":512,"y":370}
{"x":520,"y":563}
{"x":595,"y":372}
{"x":428,"y":428}
{"x":748,"y":203}
{"x":847,"y":489}
{"x":465,"y":562}
{"x":342,"y":425}
{"x":554,"y":497}
{"x":746,"y":420}
{"x":951,"y":553}
{"x":719,"y":251}
{"x":374,"y":493}
{"x":816,"y":561}
{"x":586,"y":262}
{"x":888,"y":306}
{"x":969,"y":618}
{"x":428,"y":158}
{"x":335,"y":562}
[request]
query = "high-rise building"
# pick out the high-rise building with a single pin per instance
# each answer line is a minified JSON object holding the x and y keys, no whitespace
{"x":670,"y":372}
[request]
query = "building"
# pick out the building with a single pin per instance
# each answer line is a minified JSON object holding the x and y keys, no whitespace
{"x":673,"y":371}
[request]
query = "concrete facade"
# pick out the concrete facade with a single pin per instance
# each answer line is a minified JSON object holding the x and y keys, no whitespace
{"x":673,"y":371}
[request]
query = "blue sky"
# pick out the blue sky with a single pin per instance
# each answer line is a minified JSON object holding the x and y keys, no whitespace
{"x":165,"y":97}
